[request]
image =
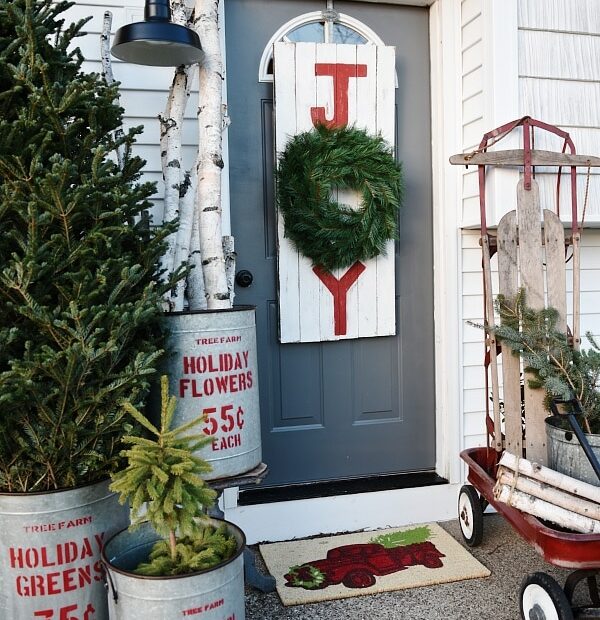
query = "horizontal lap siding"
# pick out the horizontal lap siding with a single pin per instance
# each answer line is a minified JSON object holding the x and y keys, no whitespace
{"x":143,"y":91}
{"x":559,"y":82}
{"x":472,"y":96}
{"x":473,"y":393}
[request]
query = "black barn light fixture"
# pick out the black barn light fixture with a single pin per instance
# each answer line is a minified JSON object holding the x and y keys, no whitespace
{"x":157,"y":41}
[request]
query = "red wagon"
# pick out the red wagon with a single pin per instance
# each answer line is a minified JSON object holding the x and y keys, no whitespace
{"x":520,"y":244}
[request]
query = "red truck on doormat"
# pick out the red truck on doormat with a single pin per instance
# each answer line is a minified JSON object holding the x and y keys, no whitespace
{"x":356,"y":566}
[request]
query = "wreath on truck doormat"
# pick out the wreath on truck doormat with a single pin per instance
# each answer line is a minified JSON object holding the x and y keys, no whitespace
{"x":312,"y":165}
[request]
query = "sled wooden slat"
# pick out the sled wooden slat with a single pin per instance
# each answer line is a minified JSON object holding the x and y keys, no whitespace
{"x":556,"y":283}
{"x":516,"y":157}
{"x":511,"y":365}
{"x":532,"y":281}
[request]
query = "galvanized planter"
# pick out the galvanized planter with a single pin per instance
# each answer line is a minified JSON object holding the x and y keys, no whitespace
{"x":214,"y":594}
{"x":566,"y":455}
{"x":213,"y":371}
{"x":50,"y":547}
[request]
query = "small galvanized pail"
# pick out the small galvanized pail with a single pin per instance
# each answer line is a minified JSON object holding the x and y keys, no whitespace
{"x":50,"y":547}
{"x":566,"y":455}
{"x":213,"y":371}
{"x":214,"y":594}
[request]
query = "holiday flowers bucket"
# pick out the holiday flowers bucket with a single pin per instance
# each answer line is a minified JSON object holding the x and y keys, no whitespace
{"x":213,"y":371}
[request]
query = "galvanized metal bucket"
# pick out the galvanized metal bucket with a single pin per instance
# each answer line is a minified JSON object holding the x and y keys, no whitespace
{"x":213,"y":372}
{"x":214,"y":594}
{"x":566,"y":455}
{"x":50,"y":547}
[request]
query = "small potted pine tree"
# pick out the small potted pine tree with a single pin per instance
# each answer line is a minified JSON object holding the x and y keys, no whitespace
{"x":80,"y":319}
{"x":174,"y":560}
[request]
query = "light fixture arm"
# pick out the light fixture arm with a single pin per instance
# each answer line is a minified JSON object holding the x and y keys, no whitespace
{"x":157,"y":10}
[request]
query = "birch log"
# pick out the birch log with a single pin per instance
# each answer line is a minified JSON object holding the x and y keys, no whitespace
{"x":551,"y":477}
{"x":545,"y":510}
{"x":196,"y":291}
{"x":210,"y":162}
{"x":549,"y":493}
{"x":171,"y":123}
{"x":230,"y":256}
{"x":107,"y":73}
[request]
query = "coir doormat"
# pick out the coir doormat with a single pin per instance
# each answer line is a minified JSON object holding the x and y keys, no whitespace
{"x":321,"y":569}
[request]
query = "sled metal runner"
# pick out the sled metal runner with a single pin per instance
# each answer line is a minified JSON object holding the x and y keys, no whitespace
{"x":528,"y":239}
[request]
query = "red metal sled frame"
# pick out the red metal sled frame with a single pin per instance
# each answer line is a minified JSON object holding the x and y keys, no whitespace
{"x":578,"y":552}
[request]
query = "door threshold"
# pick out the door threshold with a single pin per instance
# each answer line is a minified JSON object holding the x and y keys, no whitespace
{"x":329,"y":488}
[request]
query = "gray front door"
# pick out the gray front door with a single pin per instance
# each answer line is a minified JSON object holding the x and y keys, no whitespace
{"x":350,"y":408}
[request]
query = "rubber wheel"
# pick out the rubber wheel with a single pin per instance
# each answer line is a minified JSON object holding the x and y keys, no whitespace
{"x":358,"y":579}
{"x":470,"y":515}
{"x":542,"y":598}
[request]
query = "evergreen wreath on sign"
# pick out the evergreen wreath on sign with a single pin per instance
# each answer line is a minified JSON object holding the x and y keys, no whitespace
{"x":312,"y":166}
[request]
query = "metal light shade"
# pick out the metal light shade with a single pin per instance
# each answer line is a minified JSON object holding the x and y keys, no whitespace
{"x":156,"y":41}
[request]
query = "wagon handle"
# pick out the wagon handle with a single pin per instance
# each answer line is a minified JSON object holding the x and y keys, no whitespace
{"x":575,"y":408}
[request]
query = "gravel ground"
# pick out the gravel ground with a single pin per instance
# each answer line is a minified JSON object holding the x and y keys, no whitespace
{"x":508,"y":557}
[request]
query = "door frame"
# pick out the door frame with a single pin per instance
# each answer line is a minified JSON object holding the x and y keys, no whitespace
{"x":283,"y":520}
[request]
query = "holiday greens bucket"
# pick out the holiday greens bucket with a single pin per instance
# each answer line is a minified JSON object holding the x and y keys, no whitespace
{"x":213,"y":372}
{"x":50,"y":547}
{"x":213,"y":594}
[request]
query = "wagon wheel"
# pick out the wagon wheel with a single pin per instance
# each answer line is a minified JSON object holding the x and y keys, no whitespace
{"x":470,"y":515}
{"x":542,"y":598}
{"x":358,"y":579}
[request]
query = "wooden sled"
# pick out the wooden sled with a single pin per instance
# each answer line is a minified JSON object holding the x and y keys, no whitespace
{"x":532,"y":249}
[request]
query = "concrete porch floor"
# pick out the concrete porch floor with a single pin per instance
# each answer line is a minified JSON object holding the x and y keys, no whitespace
{"x":503,"y":551}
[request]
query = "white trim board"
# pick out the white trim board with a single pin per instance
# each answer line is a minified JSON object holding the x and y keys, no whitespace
{"x":446,"y":113}
{"x":345,"y":513}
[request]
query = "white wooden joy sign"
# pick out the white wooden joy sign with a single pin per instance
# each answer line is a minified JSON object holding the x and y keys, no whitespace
{"x":339,"y":85}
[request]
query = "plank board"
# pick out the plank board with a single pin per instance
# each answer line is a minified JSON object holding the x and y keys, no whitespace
{"x":515,"y":157}
{"x":508,"y":285}
{"x":556,"y":280}
{"x":532,"y":280}
{"x":306,"y":303}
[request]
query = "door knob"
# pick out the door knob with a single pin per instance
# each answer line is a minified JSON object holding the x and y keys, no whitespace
{"x":244,"y":278}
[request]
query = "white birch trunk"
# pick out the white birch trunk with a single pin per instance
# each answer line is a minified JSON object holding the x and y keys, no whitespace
{"x":230,"y":256}
{"x":210,"y":162}
{"x":179,"y":12}
{"x":545,"y":510}
{"x":183,"y":243}
{"x":107,"y":72}
{"x":196,"y":292}
{"x":171,"y":124}
{"x":551,"y":477}
{"x":549,"y":493}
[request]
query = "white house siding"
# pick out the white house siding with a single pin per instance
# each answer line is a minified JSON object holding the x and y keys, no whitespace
{"x":559,"y":83}
{"x":473,"y":127}
{"x":143,"y":92}
{"x":559,"y":80}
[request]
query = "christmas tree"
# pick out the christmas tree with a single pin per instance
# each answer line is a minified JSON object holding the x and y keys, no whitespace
{"x":163,"y":480}
{"x":79,"y":282}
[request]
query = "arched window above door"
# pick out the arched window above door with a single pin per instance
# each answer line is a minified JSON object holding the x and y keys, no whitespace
{"x":317,"y":27}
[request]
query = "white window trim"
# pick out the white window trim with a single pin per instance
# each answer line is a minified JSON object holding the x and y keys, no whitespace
{"x":307,"y":18}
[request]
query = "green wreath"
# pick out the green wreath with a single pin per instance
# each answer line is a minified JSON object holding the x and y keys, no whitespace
{"x":313,"y":164}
